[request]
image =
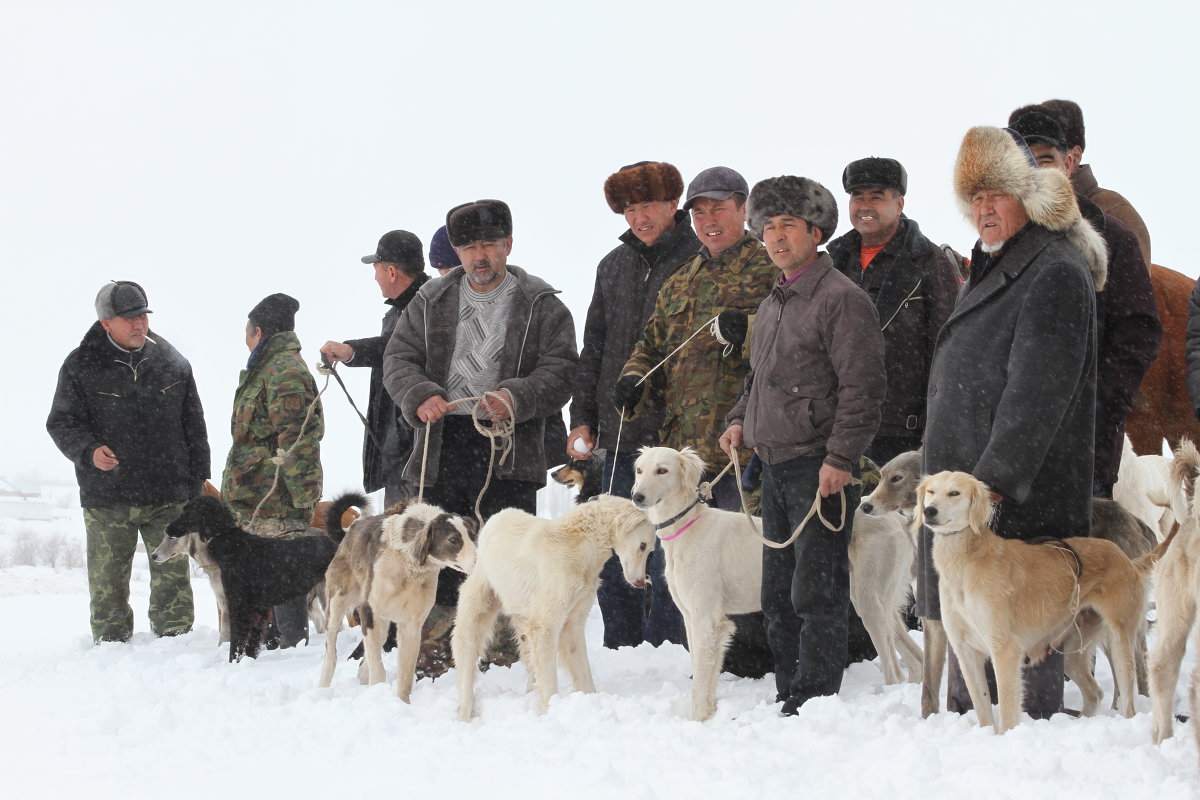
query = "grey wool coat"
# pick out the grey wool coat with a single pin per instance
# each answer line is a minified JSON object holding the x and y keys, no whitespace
{"x":1012,"y":391}
{"x":537,"y":367}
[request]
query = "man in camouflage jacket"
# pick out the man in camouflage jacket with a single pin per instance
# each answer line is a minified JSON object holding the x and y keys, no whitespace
{"x":127,"y":413}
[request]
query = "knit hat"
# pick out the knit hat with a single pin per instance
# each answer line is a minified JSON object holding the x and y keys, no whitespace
{"x":884,"y":173}
{"x":276,"y":312}
{"x":121,"y":299}
{"x":719,"y":183}
{"x":799,"y":197}
{"x":441,"y":254}
{"x":643,"y":182}
{"x":482,"y":219}
{"x":997,"y":160}
{"x":398,"y":247}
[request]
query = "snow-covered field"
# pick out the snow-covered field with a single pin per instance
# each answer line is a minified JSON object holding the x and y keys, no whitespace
{"x":171,"y":718}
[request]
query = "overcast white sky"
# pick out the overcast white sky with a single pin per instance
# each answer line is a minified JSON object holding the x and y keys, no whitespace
{"x":221,"y":151}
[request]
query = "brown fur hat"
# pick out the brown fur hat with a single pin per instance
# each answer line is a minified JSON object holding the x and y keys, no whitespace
{"x":643,"y":182}
{"x":991,"y":160}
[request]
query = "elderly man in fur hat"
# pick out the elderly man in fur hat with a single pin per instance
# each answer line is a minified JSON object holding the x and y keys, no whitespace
{"x":810,"y":407}
{"x":658,"y":240}
{"x":485,"y":326}
{"x":1012,"y":389}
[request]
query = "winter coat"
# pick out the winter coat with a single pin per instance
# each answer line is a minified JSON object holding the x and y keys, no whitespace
{"x":1127,"y":335}
{"x":270,"y":408}
{"x":913,"y":285}
{"x":383,"y":418}
{"x":537,"y":367}
{"x":699,"y":385}
{"x":1115,"y":205}
{"x":627,"y":287}
{"x":145,"y":408}
{"x":817,"y":377}
{"x":1012,"y":390}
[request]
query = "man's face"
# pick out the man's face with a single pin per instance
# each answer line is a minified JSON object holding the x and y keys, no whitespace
{"x":1048,"y":156}
{"x":128,"y":332}
{"x":484,"y":262}
{"x":998,"y":217}
{"x":720,"y":224}
{"x":391,"y":279}
{"x":875,"y":214}
{"x":790,"y":242}
{"x":254,"y":335}
{"x":650,"y":220}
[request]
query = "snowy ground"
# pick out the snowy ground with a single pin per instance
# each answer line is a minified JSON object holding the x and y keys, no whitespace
{"x":171,"y":718}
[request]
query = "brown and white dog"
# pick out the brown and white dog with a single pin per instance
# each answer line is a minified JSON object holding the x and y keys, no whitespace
{"x":1011,"y":600}
{"x":387,"y":568}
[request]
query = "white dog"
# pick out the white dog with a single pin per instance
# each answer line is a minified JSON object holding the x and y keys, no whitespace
{"x":1142,"y":488}
{"x":544,"y":574}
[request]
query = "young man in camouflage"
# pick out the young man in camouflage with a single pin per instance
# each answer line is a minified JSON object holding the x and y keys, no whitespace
{"x":127,"y":413}
{"x":727,"y":279}
{"x":276,"y":413}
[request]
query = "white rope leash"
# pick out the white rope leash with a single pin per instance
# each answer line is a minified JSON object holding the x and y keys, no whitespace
{"x":281,"y":455}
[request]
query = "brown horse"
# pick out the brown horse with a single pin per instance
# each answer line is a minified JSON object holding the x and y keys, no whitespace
{"x":1162,"y":408}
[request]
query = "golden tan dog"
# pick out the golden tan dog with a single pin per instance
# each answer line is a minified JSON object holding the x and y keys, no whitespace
{"x":1010,"y":600}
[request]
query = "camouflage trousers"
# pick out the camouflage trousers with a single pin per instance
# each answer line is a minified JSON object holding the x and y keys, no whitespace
{"x":112,"y":535}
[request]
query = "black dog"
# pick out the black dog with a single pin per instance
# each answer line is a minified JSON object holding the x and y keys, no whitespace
{"x":585,"y":474}
{"x":257,"y":572}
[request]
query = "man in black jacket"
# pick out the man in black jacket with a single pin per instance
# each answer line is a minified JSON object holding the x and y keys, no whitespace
{"x":127,"y":413}
{"x":912,"y":284}
{"x":1127,"y":325}
{"x":400,"y":271}
{"x":659,"y":239}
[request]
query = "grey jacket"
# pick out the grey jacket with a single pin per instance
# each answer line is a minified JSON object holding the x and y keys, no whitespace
{"x":817,"y":376}
{"x":537,"y":367}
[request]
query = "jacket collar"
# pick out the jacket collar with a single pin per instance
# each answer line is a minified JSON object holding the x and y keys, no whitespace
{"x":405,"y":297}
{"x":806,"y":285}
{"x":669,"y":241}
{"x":528,"y":286}
{"x":1084,"y":181}
{"x":1002,"y":269}
{"x":733,"y":259}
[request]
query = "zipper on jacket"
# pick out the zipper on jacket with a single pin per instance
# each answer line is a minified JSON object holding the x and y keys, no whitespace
{"x":901,"y":306}
{"x":173,"y":385}
{"x":108,"y":394}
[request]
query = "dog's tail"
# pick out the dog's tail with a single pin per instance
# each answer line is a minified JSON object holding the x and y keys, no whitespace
{"x":1146,"y":563}
{"x":1185,"y":468}
{"x":340,"y":505}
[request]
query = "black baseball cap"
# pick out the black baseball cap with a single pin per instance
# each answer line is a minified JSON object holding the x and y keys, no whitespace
{"x":398,"y":247}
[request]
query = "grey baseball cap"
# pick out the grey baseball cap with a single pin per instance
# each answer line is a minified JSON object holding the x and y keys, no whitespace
{"x":121,"y":299}
{"x":717,"y":183}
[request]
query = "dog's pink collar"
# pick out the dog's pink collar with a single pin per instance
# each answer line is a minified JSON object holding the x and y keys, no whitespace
{"x":679,"y":532}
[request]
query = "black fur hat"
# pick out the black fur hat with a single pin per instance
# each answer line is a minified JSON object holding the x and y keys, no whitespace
{"x":276,"y":312}
{"x":482,"y":219}
{"x":643,"y":182}
{"x":885,"y":173}
{"x":799,"y":197}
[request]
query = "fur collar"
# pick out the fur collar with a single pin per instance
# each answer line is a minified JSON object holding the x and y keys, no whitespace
{"x":989,"y":159}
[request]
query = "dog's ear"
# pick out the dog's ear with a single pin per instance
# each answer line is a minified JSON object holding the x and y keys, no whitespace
{"x":423,"y":544}
{"x":919,"y":511}
{"x":981,"y":506}
{"x":691,"y":467}
{"x":472,"y":528}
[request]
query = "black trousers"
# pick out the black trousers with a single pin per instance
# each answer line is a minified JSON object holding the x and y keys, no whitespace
{"x":463,"y":471}
{"x":806,"y":587}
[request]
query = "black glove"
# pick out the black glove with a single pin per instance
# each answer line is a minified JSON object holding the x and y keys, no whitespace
{"x":627,"y":393}
{"x":732,"y":325}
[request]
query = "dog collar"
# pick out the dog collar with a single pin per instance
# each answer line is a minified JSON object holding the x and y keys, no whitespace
{"x":678,"y":517}
{"x":679,"y":532}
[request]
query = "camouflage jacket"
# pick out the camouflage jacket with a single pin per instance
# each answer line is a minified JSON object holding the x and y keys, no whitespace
{"x":700,"y":384}
{"x":269,"y":408}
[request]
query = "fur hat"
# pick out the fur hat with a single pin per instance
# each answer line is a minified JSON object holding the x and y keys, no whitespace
{"x":885,"y":173}
{"x":990,"y":159}
{"x":482,"y":219}
{"x":276,"y":312}
{"x":799,"y":197}
{"x":643,"y":182}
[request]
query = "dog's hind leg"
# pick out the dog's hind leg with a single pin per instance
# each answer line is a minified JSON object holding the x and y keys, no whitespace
{"x":910,"y":651}
{"x":1123,"y":643}
{"x":336,"y":606}
{"x":1176,"y":610}
{"x":1077,"y":665}
{"x":572,"y":646}
{"x":934,"y":665}
{"x":478,"y":607}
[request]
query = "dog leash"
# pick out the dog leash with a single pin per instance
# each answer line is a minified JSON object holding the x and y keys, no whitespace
{"x":814,"y":510}
{"x":327,"y":368}
{"x":281,"y":455}
{"x":502,"y":429}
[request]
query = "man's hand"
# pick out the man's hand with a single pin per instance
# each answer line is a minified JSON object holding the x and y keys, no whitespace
{"x":433,"y":409}
{"x":337,"y":351}
{"x":495,"y":407}
{"x":104,"y":459}
{"x":627,"y":393}
{"x":732,"y":325}
{"x":731,"y":438}
{"x":832,"y":480}
{"x":584,"y":433}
